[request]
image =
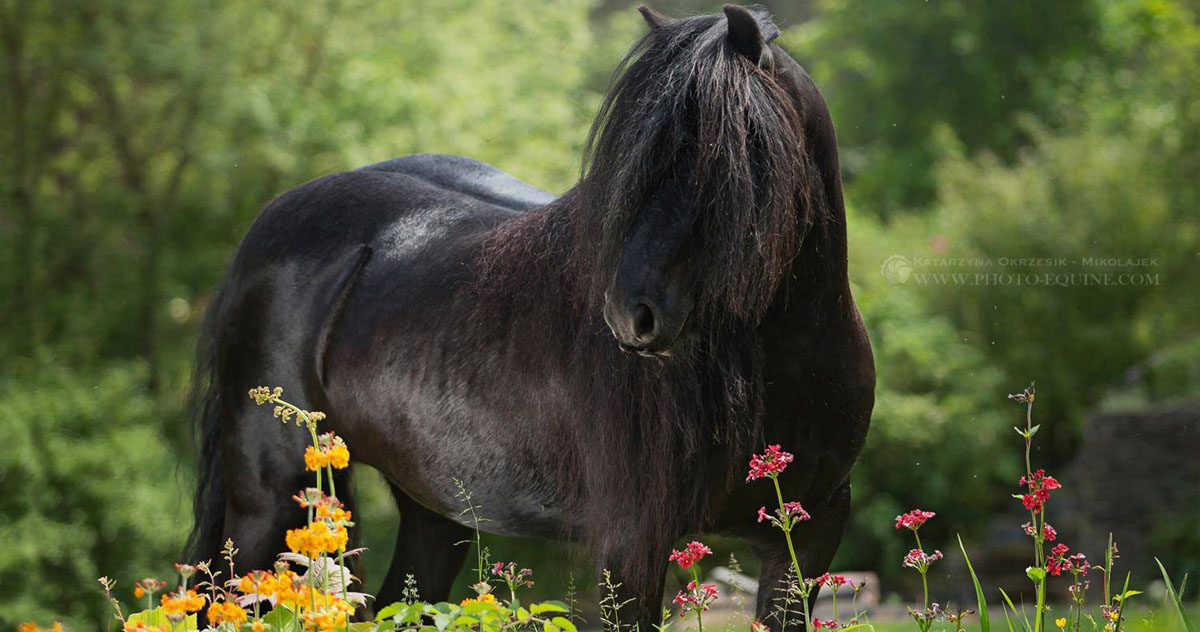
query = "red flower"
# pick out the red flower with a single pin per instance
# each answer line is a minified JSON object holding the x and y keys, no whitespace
{"x":691,"y":554}
{"x":768,"y":464}
{"x":913,"y":519}
{"x":1054,"y":562}
{"x":1048,"y":532}
{"x":1078,"y":563}
{"x":696,"y":597}
{"x":827,"y":623}
{"x":1040,"y":486}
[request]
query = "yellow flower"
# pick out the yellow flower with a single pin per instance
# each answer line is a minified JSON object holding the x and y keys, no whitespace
{"x":484,"y":598}
{"x":314,"y":459}
{"x":180,"y":602}
{"x":339,"y":456}
{"x":1061,"y":622}
{"x":317,"y":538}
{"x":139,"y":592}
{"x":27,"y":627}
{"x":321,"y":611}
{"x":257,"y":626}
{"x":330,"y":451}
{"x":226,"y":612}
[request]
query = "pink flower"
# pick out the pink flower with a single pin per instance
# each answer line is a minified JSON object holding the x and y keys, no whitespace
{"x":691,"y":554}
{"x":769,"y":464}
{"x":919,"y":560}
{"x":791,"y":514}
{"x":913,"y":519}
{"x":697,"y":597}
{"x":830,"y":624}
{"x":797,"y":512}
{"x":759,"y":626}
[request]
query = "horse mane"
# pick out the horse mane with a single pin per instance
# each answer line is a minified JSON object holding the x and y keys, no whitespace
{"x":660,"y":435}
{"x":684,"y":104}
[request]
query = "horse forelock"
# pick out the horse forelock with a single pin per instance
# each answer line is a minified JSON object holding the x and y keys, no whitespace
{"x":683,"y":104}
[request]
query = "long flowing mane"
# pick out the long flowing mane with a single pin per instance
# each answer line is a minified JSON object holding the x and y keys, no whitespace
{"x":685,"y":105}
{"x":662,"y":435}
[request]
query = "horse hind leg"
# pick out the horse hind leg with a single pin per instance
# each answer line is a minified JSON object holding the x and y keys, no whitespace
{"x":429,"y":548}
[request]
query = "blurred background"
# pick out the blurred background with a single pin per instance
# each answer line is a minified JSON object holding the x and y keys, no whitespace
{"x":1011,"y":143}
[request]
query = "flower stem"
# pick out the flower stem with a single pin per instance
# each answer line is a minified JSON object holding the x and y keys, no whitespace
{"x":787,"y":535}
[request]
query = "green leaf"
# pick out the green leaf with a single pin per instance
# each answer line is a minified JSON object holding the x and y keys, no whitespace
{"x":1035,"y":574}
{"x":390,"y":611}
{"x":522,"y":615}
{"x":549,"y":627}
{"x":1127,"y":594}
{"x":1033,"y":430}
{"x":281,"y":618}
{"x":564,"y":624}
{"x":158,"y":617}
{"x":985,"y":625}
{"x":1023,"y":620}
{"x":548,"y":606}
{"x":441,"y":620}
{"x":1175,"y":599}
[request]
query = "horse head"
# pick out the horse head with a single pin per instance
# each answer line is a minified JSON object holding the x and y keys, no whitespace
{"x":695,"y":192}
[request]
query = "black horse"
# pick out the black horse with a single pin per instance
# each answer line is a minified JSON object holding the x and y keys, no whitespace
{"x":455,"y":322}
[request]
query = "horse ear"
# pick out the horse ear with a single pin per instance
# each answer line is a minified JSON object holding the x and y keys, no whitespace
{"x":653,"y":18}
{"x":745,"y":36}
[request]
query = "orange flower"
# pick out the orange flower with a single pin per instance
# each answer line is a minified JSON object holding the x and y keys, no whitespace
{"x":226,"y":612}
{"x":142,"y":626}
{"x":181,"y":602}
{"x":317,"y":538}
{"x":339,"y":456}
{"x":314,"y":460}
{"x":484,"y":598}
{"x":138,"y":592}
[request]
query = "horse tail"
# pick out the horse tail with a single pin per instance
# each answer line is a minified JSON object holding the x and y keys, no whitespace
{"x":204,"y":410}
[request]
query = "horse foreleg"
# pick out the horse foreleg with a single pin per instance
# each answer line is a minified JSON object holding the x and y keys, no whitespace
{"x":637,"y":575}
{"x":428,"y":547}
{"x":816,"y":542}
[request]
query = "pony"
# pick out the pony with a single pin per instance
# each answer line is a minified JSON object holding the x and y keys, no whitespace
{"x":597,"y":366}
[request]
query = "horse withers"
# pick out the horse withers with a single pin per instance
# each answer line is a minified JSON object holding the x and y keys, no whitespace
{"x":597,"y":366}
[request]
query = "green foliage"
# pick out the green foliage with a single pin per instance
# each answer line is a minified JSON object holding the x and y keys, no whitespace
{"x":893,"y":71}
{"x":89,"y":490}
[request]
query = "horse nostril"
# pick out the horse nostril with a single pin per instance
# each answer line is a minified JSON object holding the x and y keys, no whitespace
{"x":643,"y":322}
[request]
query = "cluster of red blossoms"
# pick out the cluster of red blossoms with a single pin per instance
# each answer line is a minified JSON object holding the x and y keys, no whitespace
{"x":768,"y":464}
{"x":1048,"y":532}
{"x":1058,"y":561}
{"x":1040,"y":485}
{"x":828,"y":624}
{"x":832,"y":581}
{"x":692,"y":553}
{"x":697,"y":597}
{"x":913,"y":519}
